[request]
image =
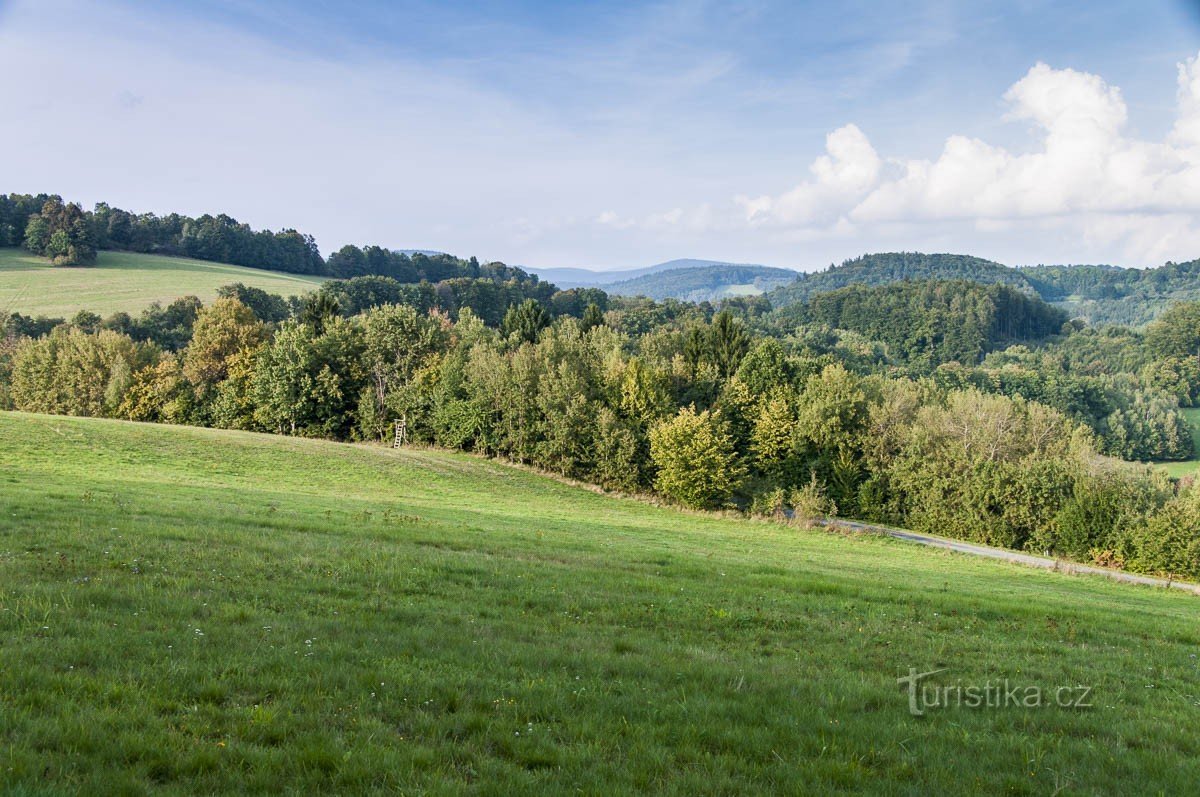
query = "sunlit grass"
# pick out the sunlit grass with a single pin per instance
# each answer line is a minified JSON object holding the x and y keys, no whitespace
{"x":196,"y":611}
{"x":122,"y":281}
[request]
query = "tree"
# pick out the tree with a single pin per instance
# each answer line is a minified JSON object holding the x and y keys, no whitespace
{"x":158,"y":393}
{"x":71,"y":372}
{"x":309,"y":384}
{"x":524,"y":321}
{"x":223,"y":330}
{"x":728,"y":342}
{"x":696,"y":461}
{"x":832,"y":410}
{"x":37,"y":235}
{"x":772,"y":437}
{"x":62,"y":233}
{"x":766,"y":368}
{"x":1176,"y":333}
{"x":218,"y":363}
{"x":319,"y":309}
{"x":617,"y":451}
{"x":269,"y":308}
{"x":398,"y":341}
{"x":592,"y":317}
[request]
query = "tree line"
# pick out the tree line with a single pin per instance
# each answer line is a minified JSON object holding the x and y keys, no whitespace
{"x":71,"y":236}
{"x":706,"y":406}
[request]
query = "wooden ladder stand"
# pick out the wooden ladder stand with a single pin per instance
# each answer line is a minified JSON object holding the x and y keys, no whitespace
{"x":401,"y":432}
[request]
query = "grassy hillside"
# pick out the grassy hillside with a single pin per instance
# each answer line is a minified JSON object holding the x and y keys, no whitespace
{"x":124,"y":281}
{"x":200,"y":611}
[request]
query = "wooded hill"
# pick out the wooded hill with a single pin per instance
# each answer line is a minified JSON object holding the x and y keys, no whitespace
{"x":703,"y":283}
{"x":932,"y":322}
{"x":1099,"y":295}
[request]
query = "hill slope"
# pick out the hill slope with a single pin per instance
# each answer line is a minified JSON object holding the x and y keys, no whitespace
{"x":595,"y":278}
{"x":888,"y":267}
{"x":203,"y":611}
{"x":703,"y":283}
{"x":124,"y":281}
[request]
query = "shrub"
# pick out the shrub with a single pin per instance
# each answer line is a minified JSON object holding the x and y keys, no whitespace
{"x":696,"y":460}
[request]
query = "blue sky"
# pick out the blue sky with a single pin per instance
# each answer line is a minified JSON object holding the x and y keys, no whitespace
{"x":617,"y":135}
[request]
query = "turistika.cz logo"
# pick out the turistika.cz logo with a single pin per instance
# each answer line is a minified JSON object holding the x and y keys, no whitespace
{"x":1001,"y":694}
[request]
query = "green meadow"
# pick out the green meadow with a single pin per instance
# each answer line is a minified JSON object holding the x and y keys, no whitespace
{"x":191,"y":611}
{"x":124,"y":281}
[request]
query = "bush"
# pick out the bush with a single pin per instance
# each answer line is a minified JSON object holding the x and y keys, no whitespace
{"x":696,"y":460}
{"x":810,"y":504}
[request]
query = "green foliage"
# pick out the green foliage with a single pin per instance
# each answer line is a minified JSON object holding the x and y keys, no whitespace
{"x":524,"y":321}
{"x":61,"y":233}
{"x":307,"y":383}
{"x":728,"y":342}
{"x":267,"y":307}
{"x":926,"y":324}
{"x":986,"y":468}
{"x":1176,"y":333}
{"x":398,"y":341}
{"x":695,"y":459}
{"x":766,"y":367}
{"x":592,"y":318}
{"x":889,"y":267}
{"x":225,"y":334}
{"x":831,"y":419}
{"x":1168,"y":541}
{"x":71,"y":372}
{"x":318,"y":310}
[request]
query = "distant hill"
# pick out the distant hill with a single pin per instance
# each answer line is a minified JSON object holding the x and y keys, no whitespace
{"x":888,"y":267}
{"x":703,"y":283}
{"x":595,"y":278}
{"x":1098,"y":294}
{"x":1114,"y":295}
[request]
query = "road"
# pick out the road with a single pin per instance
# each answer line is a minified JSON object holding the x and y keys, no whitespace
{"x":1030,"y":560}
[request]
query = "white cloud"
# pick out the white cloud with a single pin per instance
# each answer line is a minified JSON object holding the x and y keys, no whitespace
{"x":1083,"y":175}
{"x":841,"y":177}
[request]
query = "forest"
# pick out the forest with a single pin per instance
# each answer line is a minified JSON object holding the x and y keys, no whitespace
{"x":1098,"y":295}
{"x":1000,"y":423}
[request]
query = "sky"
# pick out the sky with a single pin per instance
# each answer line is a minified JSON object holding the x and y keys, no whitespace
{"x":616,"y":135}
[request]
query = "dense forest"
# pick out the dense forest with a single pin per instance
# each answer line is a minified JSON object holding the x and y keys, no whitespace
{"x":932,"y":322}
{"x":795,"y":413}
{"x":888,"y":267}
{"x":1098,"y":295}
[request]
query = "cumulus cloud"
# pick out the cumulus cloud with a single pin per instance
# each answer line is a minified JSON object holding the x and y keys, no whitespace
{"x":1083,"y":171}
{"x":841,"y":178}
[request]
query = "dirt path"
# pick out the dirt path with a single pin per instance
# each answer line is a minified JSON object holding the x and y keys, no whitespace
{"x":1030,"y":560}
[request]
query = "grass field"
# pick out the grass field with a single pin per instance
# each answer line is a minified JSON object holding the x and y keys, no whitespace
{"x":196,"y":611}
{"x":1178,"y":469}
{"x":124,"y":281}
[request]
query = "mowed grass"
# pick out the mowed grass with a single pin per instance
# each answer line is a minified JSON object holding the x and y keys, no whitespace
{"x":123,"y":281}
{"x":1178,"y":470}
{"x":193,"y":611}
